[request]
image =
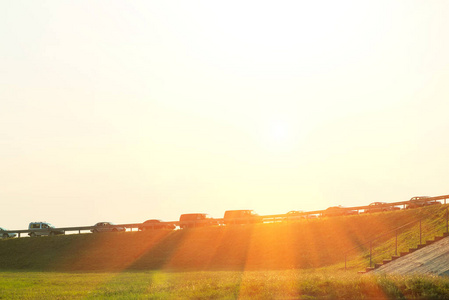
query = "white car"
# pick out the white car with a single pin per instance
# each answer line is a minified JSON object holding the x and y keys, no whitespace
{"x":107,"y":227}
{"x":6,"y":235}
{"x":42,"y":228}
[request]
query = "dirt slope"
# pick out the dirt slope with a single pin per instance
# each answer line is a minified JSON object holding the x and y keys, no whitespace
{"x":432,"y":259}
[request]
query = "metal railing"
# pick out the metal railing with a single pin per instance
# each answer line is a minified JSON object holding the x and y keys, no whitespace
{"x":432,"y":222}
{"x":265,"y":218}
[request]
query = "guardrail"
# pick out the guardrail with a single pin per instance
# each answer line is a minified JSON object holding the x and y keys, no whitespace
{"x":387,"y":244}
{"x":265,"y":218}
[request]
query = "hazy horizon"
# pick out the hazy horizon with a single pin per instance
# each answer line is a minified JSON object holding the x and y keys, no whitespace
{"x":127,"y":111}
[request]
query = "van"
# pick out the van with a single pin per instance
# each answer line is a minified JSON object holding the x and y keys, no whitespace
{"x":42,"y":228}
{"x":196,"y":220}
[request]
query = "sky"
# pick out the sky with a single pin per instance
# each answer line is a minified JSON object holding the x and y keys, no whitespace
{"x":125,"y":111}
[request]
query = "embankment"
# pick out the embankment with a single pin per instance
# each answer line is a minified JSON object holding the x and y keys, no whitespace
{"x":303,"y":244}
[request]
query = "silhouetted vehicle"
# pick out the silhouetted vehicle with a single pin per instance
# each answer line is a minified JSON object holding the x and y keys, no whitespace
{"x":43,"y":228}
{"x":295,"y":215}
{"x":156,"y":224}
{"x":107,"y":227}
{"x":6,"y":235}
{"x":196,"y":220}
{"x":242,"y":216}
{"x":379,"y":207}
{"x":420,"y":201}
{"x":298,"y":215}
{"x":335,"y":211}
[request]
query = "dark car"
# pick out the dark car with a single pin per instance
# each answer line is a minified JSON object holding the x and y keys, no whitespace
{"x":335,"y":211}
{"x":298,"y":215}
{"x":107,"y":227}
{"x":242,"y":216}
{"x":196,"y":220}
{"x":156,"y":224}
{"x":421,"y":201}
{"x":379,"y":207}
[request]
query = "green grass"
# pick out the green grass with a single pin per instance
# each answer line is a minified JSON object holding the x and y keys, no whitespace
{"x":433,"y":224}
{"x":305,"y":244}
{"x":288,"y":284}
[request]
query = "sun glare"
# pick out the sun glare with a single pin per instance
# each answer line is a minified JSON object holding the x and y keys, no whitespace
{"x":281,"y":136}
{"x":279,"y":132}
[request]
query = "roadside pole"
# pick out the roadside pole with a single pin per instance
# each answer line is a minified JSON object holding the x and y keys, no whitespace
{"x":396,"y":242}
{"x":447,"y":220}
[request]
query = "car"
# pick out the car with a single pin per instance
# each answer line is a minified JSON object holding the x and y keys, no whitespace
{"x":294,"y":215}
{"x":196,"y":220}
{"x":43,"y":228}
{"x":339,"y":210}
{"x":421,"y":201}
{"x":107,"y":227}
{"x":379,"y":207}
{"x":241,"y":216}
{"x":156,"y":224}
{"x":6,"y":235}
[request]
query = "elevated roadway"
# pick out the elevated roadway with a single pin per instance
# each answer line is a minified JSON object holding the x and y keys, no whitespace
{"x":265,"y":218}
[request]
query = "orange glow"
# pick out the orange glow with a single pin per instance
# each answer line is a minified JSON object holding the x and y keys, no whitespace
{"x":296,"y":245}
{"x":288,"y":246}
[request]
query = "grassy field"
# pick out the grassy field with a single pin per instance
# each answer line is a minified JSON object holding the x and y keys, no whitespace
{"x":302,"y":259}
{"x":286,"y":284}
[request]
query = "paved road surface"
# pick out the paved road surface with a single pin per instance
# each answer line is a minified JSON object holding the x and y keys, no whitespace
{"x":432,"y":259}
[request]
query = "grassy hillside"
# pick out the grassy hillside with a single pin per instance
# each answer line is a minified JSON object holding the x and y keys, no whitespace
{"x":303,"y":244}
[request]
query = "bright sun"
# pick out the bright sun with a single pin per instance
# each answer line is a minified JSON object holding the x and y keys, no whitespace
{"x":279,"y":136}
{"x":279,"y":132}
